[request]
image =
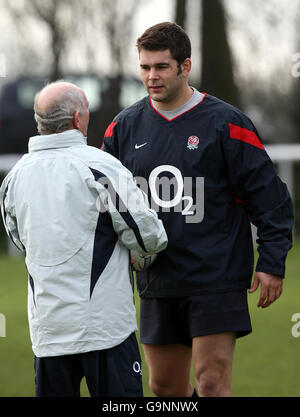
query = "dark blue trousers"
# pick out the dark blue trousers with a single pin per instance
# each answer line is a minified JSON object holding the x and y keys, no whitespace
{"x":114,"y":372}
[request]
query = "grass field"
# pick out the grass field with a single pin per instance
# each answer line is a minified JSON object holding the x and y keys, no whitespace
{"x":267,"y":362}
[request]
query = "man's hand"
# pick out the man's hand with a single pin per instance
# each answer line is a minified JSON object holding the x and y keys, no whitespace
{"x":271,"y":288}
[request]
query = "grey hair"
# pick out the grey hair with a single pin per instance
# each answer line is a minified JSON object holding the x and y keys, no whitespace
{"x":58,"y":116}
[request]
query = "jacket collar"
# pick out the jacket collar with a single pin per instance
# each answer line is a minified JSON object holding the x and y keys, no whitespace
{"x":56,"y":140}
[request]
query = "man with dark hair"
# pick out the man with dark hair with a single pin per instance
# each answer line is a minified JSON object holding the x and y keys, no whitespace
{"x":209,"y":176}
{"x":75,"y":212}
{"x":162,"y":37}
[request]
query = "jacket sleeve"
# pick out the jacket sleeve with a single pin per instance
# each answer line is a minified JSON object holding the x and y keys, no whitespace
{"x":136,"y":224}
{"x":110,"y":142}
{"x":8,"y":213}
{"x":254,"y":180}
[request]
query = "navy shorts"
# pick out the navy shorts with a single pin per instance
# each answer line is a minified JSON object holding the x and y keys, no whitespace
{"x":179,"y":319}
{"x":114,"y":372}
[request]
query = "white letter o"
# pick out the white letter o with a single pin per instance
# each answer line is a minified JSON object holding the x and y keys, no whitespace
{"x":152,"y":180}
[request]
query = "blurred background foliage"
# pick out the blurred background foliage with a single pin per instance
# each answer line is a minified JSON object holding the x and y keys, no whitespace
{"x":243,"y":51}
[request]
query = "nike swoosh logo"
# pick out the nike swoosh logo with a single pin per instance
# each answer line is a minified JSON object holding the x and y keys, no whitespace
{"x":139,"y":146}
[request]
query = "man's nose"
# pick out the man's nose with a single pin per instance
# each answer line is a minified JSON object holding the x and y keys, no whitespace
{"x":153,"y":74}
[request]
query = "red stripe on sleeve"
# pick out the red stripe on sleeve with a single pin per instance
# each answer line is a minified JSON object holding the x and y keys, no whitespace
{"x":109,"y":131}
{"x":245,"y":135}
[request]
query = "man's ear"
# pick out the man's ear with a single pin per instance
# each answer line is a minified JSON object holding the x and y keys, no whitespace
{"x":75,"y":120}
{"x":186,"y":67}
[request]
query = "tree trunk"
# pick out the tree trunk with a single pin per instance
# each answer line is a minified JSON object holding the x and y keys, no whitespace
{"x":180,"y":13}
{"x":217,"y":66}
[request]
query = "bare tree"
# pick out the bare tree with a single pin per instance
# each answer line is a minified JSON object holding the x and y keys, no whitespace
{"x":217,"y":63}
{"x":117,"y":22}
{"x":50,"y":14}
{"x":98,"y":28}
{"x":93,"y":33}
{"x":267,"y":35}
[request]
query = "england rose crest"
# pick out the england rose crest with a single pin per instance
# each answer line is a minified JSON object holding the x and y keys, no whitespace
{"x":193,"y":142}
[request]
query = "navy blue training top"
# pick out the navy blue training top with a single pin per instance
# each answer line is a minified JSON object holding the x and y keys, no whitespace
{"x":208,"y":176}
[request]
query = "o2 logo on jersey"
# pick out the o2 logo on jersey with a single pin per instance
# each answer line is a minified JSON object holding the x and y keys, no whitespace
{"x":188,"y":198}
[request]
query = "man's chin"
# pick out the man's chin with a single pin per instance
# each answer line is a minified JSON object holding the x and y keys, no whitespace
{"x":158,"y":98}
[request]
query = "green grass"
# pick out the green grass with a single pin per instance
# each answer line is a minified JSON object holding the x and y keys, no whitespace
{"x":266,"y":362}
